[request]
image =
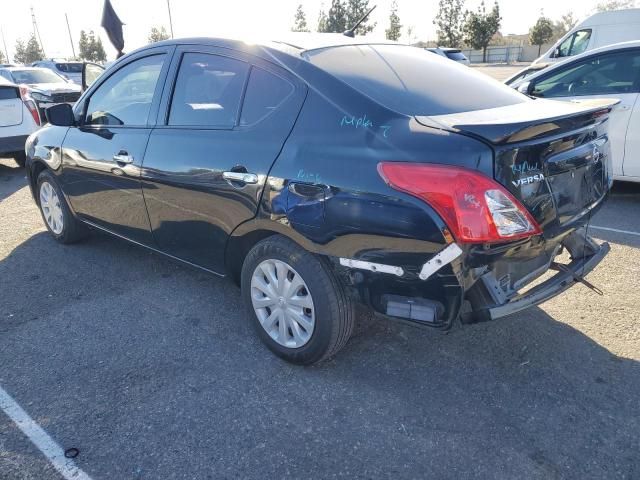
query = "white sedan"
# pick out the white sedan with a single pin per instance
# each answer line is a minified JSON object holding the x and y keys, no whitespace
{"x":608,"y":72}
{"x":19,"y":117}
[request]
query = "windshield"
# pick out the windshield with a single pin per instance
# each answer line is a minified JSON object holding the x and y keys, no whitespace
{"x":412,"y":81}
{"x":36,"y":76}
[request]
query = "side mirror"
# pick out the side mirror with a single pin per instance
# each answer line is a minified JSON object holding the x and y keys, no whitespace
{"x":524,"y":87}
{"x":60,"y":115}
{"x":90,"y":73}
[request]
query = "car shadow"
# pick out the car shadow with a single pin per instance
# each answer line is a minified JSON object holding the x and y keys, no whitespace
{"x":523,"y":397}
{"x":12,"y":177}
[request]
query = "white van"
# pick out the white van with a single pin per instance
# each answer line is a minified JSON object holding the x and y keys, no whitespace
{"x":598,"y":30}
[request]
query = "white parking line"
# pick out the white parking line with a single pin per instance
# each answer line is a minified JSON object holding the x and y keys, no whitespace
{"x":626,"y":232}
{"x":41,"y":439}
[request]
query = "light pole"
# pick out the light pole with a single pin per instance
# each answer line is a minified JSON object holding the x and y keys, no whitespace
{"x":73,"y":49}
{"x":170,"y":22}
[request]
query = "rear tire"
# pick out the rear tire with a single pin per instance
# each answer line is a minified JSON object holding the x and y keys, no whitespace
{"x":305,"y":316}
{"x":57,"y":216}
{"x":20,"y":158}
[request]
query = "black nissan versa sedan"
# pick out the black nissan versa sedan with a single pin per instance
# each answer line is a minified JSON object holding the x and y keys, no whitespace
{"x":323,"y":171}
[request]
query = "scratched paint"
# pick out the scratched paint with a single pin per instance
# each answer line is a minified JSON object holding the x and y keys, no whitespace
{"x":524,"y":167}
{"x":363,"y":122}
{"x":307,"y":176}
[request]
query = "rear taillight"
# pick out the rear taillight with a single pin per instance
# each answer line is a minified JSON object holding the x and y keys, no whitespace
{"x":30,"y":104}
{"x":475,"y":208}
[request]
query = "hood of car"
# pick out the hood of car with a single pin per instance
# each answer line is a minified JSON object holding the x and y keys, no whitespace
{"x":51,"y":88}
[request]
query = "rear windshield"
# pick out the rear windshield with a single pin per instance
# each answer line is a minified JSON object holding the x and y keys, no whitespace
{"x":412,"y":81}
{"x":8,"y":92}
{"x":455,"y":55}
{"x":69,"y":67}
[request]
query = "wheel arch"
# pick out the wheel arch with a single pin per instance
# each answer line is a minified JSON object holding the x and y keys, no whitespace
{"x":34,"y":169}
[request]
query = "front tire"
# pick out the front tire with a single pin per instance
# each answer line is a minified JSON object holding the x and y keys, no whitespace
{"x":57,"y":216}
{"x":298,"y":306}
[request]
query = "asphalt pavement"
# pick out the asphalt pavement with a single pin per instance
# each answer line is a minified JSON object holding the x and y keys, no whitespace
{"x":151,"y":370}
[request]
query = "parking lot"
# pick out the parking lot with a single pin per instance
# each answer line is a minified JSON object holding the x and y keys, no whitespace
{"x":151,"y":370}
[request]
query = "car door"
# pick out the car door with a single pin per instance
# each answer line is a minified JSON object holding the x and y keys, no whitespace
{"x":604,"y":75}
{"x":631,"y":166}
{"x":222,"y":123}
{"x":102,"y":156}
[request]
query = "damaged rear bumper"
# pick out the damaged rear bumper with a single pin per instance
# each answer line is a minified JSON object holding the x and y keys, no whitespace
{"x":564,"y":279}
{"x":461,"y":283}
{"x":551,"y":287}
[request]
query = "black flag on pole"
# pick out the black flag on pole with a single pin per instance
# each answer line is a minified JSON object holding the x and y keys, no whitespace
{"x":113,"y":26}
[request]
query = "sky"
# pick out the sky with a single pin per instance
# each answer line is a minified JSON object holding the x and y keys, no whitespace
{"x":235,"y":18}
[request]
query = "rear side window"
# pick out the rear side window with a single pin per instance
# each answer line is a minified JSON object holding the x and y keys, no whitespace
{"x":9,"y":93}
{"x":412,"y":81}
{"x":265,"y":93}
{"x":208,"y":91}
{"x":599,"y":75}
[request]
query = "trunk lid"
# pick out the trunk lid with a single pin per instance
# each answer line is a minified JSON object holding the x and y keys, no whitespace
{"x":10,"y":106}
{"x":552,"y":156}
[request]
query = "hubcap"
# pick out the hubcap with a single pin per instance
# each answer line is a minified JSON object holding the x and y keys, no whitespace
{"x":51,"y":209}
{"x":282,"y":303}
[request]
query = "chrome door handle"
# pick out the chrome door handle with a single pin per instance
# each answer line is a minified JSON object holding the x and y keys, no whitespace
{"x":123,"y":157}
{"x":240,"y":177}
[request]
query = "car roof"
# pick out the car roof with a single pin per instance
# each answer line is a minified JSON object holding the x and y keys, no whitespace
{"x":606,"y":49}
{"x":293,"y":43}
{"x":611,"y":17}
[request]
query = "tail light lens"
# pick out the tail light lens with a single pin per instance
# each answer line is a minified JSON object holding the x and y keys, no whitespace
{"x":476,"y":208}
{"x":30,"y":104}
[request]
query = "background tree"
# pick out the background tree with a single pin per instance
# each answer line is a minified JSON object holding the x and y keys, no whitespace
{"x":84,"y":50}
{"x":393,"y":32}
{"x":615,"y":5}
{"x":33,"y":52}
{"x":337,"y":18}
{"x":90,"y":48}
{"x":562,"y":26}
{"x":480,"y":27}
{"x":97,"y":48}
{"x":322,"y":21}
{"x":158,"y":34}
{"x":355,"y":10}
{"x":410,"y":33}
{"x":19,"y":52}
{"x":449,"y":23}
{"x":541,"y":32}
{"x":300,"y":21}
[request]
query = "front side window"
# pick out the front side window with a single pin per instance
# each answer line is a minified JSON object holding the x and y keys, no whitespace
{"x":125,"y":97}
{"x":208,"y":91}
{"x":600,"y":75}
{"x":574,"y":44}
{"x":265,"y":93}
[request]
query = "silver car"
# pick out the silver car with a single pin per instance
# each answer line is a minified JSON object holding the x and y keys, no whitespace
{"x":69,"y":70}
{"x":44,"y":86}
{"x":454,"y":54}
